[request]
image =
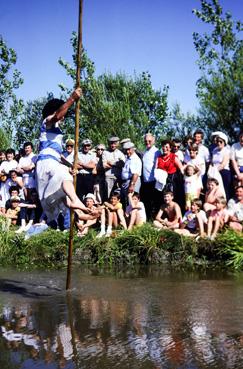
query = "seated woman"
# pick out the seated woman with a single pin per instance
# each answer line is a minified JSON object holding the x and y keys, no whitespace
{"x":114,"y":213}
{"x":135,"y":211}
{"x":213,"y":192}
{"x":169,"y":215}
{"x":193,"y":221}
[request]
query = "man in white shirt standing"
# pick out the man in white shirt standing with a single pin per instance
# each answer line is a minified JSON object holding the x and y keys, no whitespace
{"x":131,"y":172}
{"x":26,"y":167}
{"x":148,"y":192}
{"x":113,"y":162}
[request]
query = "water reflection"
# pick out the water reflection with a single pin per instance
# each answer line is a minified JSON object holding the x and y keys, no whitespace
{"x":156,"y":319}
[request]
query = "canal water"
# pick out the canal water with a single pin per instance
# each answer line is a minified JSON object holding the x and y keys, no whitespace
{"x":148,"y":318}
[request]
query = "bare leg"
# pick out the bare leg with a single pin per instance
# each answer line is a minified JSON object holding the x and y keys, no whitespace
{"x":236,"y":226}
{"x":216,"y":227}
{"x":121,"y":217}
{"x":157,"y":224}
{"x":74,"y":201}
{"x":210,"y":226}
{"x":133,"y":218}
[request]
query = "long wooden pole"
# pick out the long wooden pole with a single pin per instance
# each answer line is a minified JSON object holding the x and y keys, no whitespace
{"x":77,"y":109}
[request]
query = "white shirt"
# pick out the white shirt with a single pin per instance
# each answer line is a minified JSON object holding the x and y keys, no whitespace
{"x":218,"y":156}
{"x":237,"y":153}
{"x":191,"y":219}
{"x":26,"y":161}
{"x":113,"y":157}
{"x":8,"y":165}
{"x":149,"y":160}
{"x":133,"y":165}
{"x":86,"y":158}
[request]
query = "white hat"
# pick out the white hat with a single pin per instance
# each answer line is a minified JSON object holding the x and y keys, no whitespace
{"x":90,"y":196}
{"x":128,"y":145}
{"x":223,"y":137}
{"x":216,"y":133}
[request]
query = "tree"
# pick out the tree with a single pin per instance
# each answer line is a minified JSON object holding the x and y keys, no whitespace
{"x":10,"y":80}
{"x":116,"y":104}
{"x":220,"y":88}
{"x":180,"y":125}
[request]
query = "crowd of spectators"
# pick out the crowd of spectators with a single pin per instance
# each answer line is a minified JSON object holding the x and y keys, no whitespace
{"x":185,"y":186}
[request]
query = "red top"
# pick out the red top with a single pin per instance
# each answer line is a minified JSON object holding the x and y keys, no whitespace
{"x":167,"y":163}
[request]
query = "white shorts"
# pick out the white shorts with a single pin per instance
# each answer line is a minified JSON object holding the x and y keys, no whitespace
{"x":50,"y":175}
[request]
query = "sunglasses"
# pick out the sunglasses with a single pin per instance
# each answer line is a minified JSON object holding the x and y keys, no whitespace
{"x":100,"y":149}
{"x":220,"y":141}
{"x":69,"y":145}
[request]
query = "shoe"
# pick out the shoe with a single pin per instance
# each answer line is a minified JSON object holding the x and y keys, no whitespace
{"x":101,"y":234}
{"x":108,"y":233}
{"x":20,"y":230}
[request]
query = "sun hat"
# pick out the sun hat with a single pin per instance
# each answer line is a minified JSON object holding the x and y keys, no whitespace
{"x":90,"y":196}
{"x":15,"y":198}
{"x":223,"y":137}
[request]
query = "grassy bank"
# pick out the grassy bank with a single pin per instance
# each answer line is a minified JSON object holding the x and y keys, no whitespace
{"x":143,"y":245}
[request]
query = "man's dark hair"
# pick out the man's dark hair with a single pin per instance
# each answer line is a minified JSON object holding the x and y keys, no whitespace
{"x":51,"y":107}
{"x":198,"y":132}
{"x":28,"y":143}
{"x":10,"y":151}
{"x":13,"y":188}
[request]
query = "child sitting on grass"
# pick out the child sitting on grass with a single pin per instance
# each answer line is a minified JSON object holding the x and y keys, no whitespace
{"x":115,"y":215}
{"x":85,"y":224}
{"x":193,"y":221}
{"x":169,"y":215}
{"x":217,"y":218}
{"x":12,"y":214}
{"x":213,"y":191}
{"x":135,"y":211}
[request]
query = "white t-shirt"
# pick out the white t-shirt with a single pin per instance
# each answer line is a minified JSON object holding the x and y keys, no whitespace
{"x":218,"y":156}
{"x":237,"y":153}
{"x":8,"y":165}
{"x":141,"y":210}
{"x":192,"y":184}
{"x":191,"y":219}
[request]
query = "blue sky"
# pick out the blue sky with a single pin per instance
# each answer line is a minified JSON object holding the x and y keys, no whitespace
{"x":119,"y":36}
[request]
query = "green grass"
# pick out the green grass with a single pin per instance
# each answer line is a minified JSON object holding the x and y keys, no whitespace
{"x":142,"y":245}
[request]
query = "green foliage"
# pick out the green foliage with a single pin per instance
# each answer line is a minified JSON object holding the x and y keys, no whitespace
{"x":116,"y":104}
{"x":220,"y":87}
{"x":142,"y":245}
{"x":29,"y":121}
{"x":231,"y":244}
{"x":180,"y":125}
{"x":10,"y":80}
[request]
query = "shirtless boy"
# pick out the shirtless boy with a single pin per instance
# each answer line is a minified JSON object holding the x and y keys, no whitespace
{"x":169,"y":215}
